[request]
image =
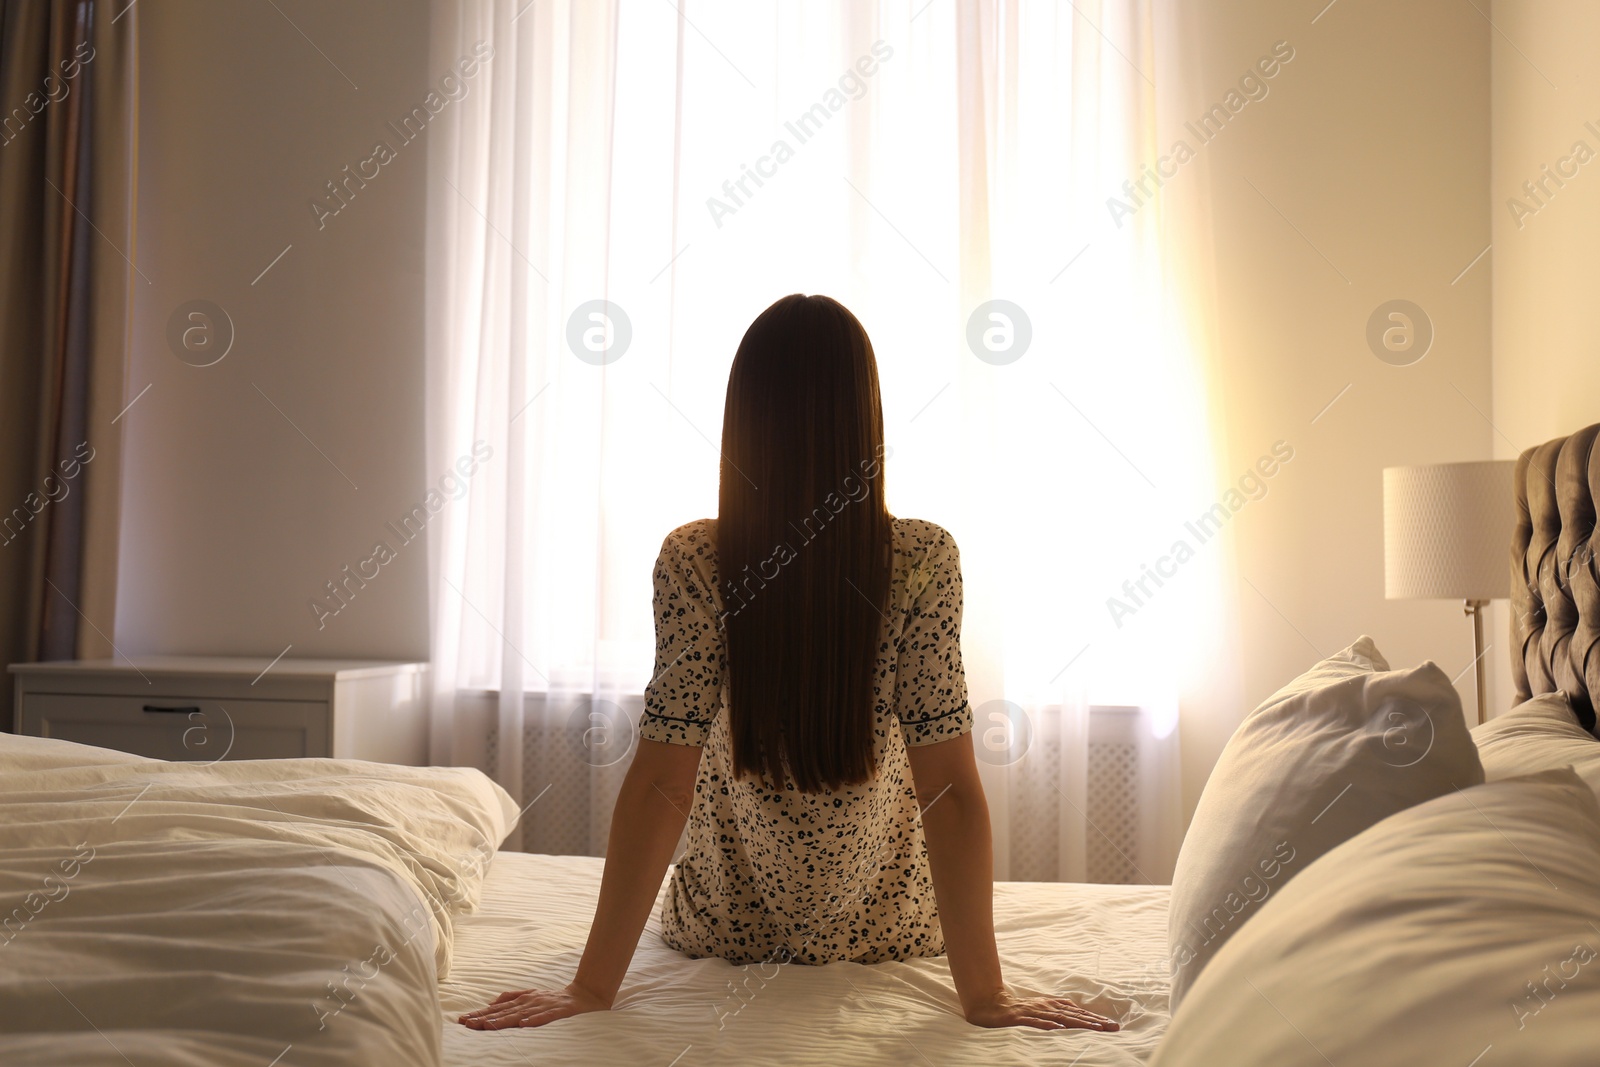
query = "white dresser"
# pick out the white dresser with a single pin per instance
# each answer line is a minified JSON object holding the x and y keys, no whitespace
{"x":209,"y":708}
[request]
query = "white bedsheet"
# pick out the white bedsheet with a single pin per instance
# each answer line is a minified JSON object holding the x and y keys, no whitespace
{"x":288,"y":912}
{"x":1105,"y":946}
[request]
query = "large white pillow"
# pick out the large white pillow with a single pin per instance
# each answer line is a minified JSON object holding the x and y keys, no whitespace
{"x":1463,"y":931}
{"x":1539,"y":734}
{"x":1346,"y":744}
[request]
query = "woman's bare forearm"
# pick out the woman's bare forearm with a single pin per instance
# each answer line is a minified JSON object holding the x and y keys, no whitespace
{"x":961,"y":855}
{"x":645,"y":826}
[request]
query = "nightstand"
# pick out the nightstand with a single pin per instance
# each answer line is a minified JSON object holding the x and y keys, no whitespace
{"x":208,"y":708}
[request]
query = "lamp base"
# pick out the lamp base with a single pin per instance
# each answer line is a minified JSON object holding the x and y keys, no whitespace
{"x":1475,"y":608}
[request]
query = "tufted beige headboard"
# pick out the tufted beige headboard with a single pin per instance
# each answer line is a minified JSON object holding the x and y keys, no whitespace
{"x":1555,"y":583}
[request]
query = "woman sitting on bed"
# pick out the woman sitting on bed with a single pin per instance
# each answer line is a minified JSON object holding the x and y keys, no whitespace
{"x":808,"y":716}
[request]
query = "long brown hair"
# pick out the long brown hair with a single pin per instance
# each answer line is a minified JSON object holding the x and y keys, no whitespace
{"x":803,"y":545}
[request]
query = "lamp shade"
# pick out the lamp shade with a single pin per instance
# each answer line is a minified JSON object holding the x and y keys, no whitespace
{"x":1447,"y":531}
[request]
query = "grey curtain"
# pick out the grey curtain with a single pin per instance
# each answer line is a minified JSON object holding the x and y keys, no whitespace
{"x":68,"y":76}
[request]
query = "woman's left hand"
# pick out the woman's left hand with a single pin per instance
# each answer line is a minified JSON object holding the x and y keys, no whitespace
{"x":1043,"y":1013}
{"x":533,"y":1007}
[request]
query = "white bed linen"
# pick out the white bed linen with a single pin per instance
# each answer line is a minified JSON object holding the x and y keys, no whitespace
{"x":1540,"y":734}
{"x":1349,"y":730}
{"x":295,"y":912}
{"x":1105,"y":946}
{"x":1461,"y":932}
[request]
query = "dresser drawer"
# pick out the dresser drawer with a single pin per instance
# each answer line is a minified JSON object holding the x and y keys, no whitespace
{"x":181,"y":728}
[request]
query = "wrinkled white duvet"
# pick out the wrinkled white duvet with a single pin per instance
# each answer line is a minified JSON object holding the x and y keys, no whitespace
{"x":252,"y":913}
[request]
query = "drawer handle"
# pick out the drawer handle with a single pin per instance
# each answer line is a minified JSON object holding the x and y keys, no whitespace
{"x":172,"y":711}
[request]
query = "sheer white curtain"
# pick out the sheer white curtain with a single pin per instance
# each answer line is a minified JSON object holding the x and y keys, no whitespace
{"x":627,"y":184}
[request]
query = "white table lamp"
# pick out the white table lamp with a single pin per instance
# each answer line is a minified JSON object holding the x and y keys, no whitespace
{"x":1447,"y":536}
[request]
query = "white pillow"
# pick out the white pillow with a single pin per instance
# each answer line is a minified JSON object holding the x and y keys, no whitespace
{"x":1346,"y":744}
{"x":1539,"y":734}
{"x":1463,"y":931}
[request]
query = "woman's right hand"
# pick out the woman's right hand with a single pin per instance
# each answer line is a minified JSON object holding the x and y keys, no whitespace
{"x":1043,"y":1013}
{"x":533,"y":1007}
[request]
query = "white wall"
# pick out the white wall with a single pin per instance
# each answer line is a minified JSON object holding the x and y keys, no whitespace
{"x":1372,"y":148}
{"x":232,"y":519}
{"x":1546,"y":318}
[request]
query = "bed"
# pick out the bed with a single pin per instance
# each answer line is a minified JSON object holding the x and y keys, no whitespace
{"x":275,"y":913}
{"x":319,"y":912}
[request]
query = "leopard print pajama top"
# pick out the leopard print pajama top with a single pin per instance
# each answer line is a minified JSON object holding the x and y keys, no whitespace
{"x":779,"y":874}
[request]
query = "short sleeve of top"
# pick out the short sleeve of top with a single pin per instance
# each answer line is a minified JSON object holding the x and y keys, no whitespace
{"x":684,"y":693}
{"x":931,"y":682}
